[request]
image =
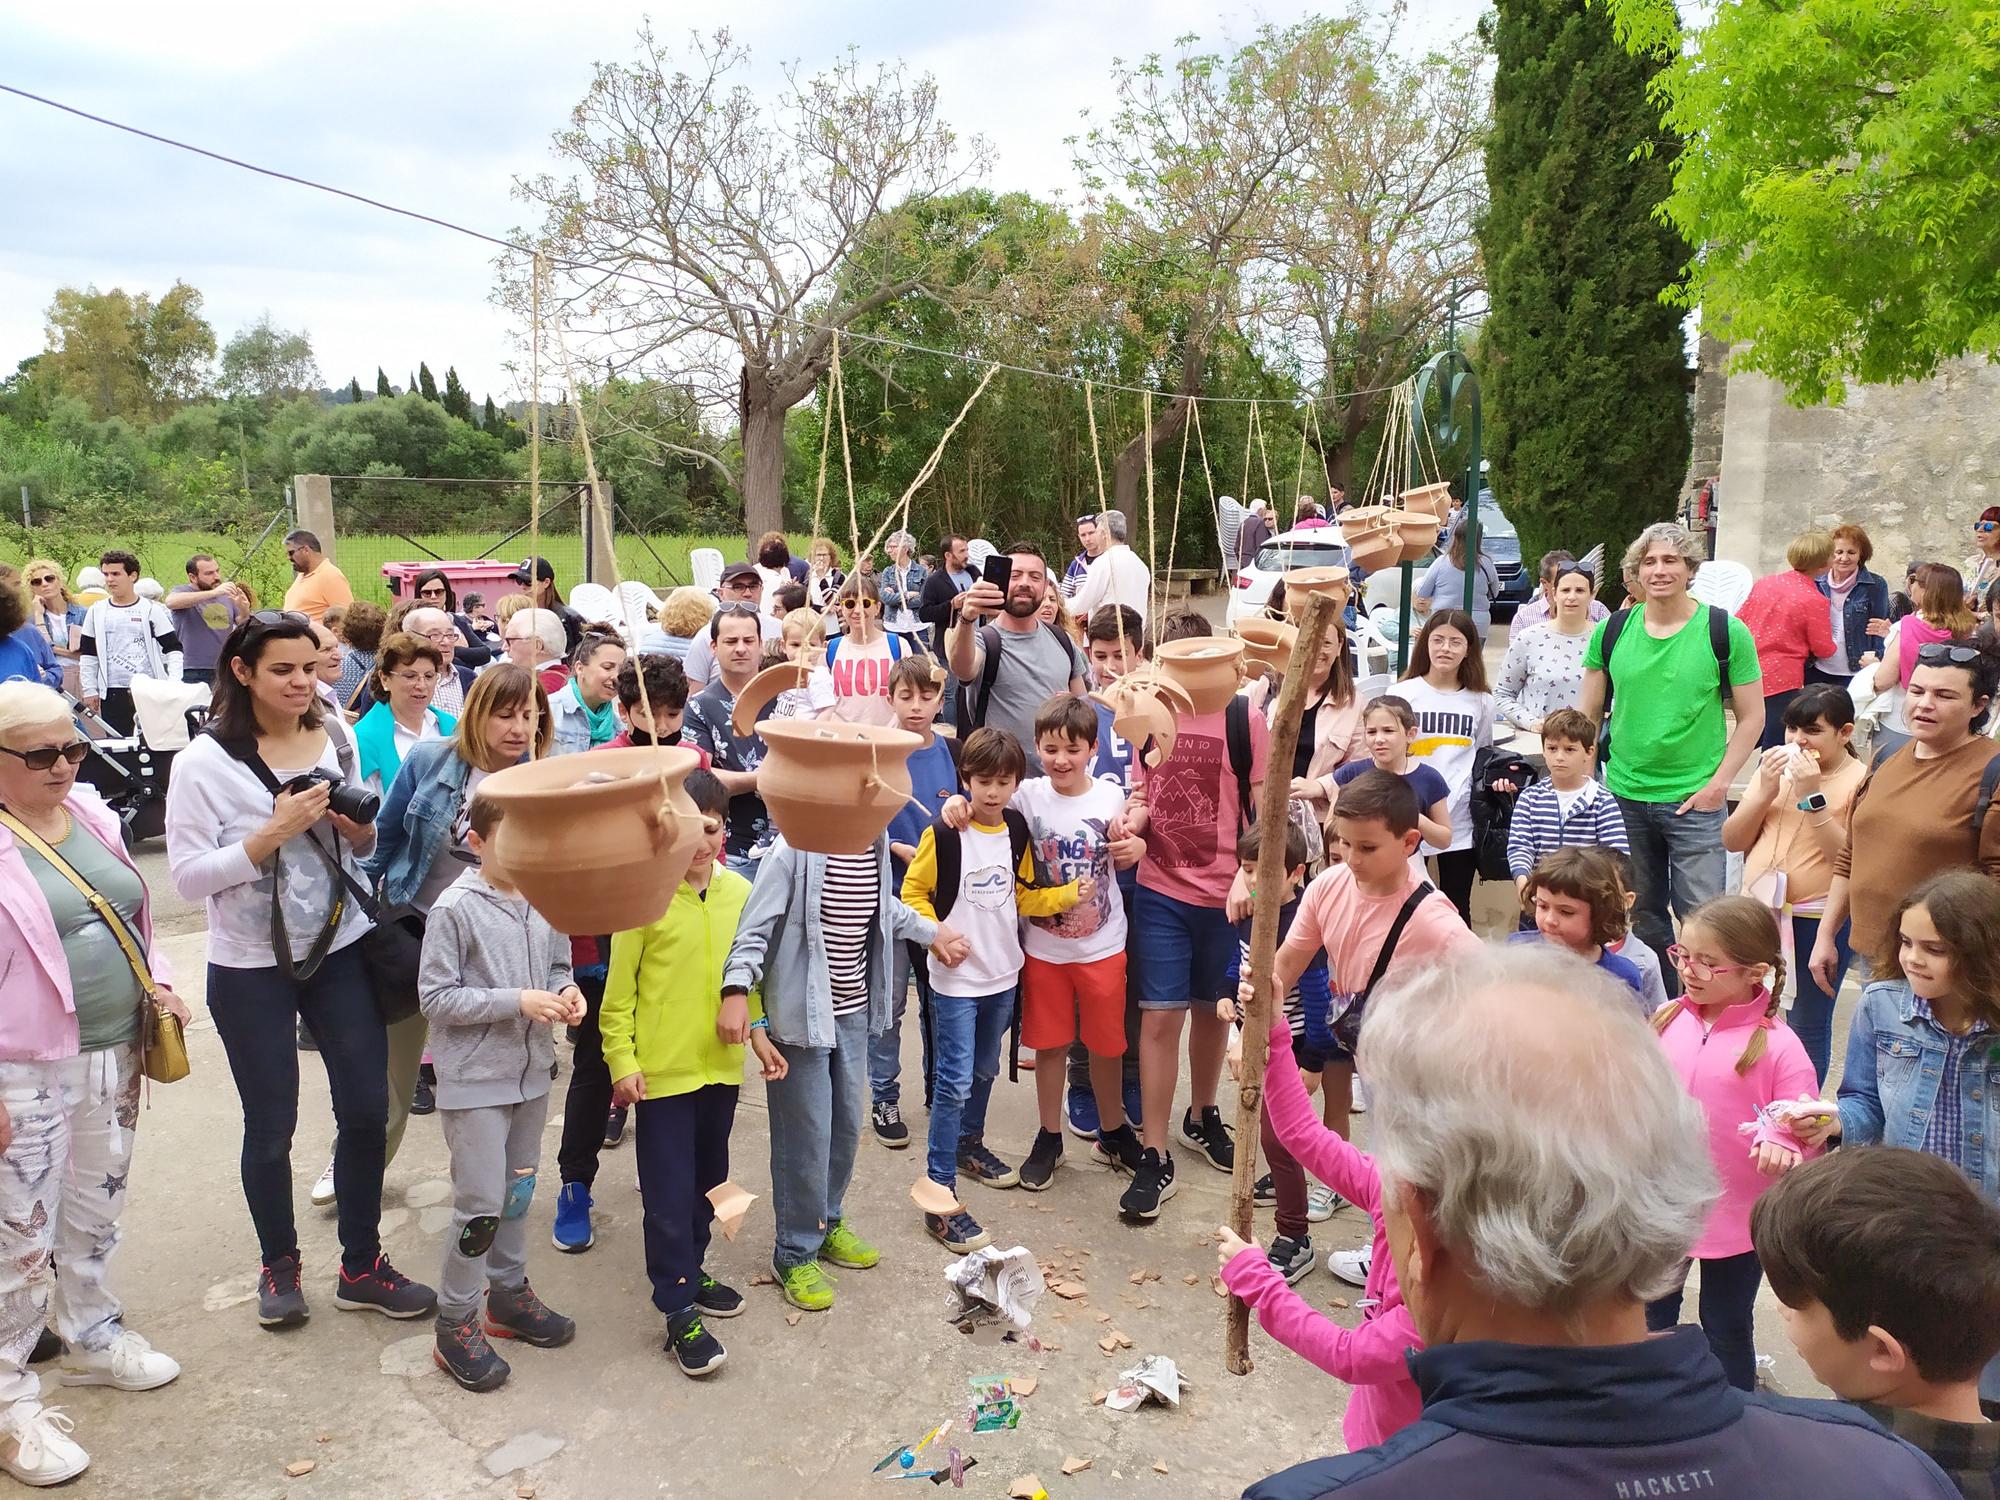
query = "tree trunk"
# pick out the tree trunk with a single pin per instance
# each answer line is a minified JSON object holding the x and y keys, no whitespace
{"x":763,"y":430}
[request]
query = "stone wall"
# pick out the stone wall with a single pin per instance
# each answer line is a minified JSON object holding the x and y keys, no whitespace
{"x":1913,"y":463}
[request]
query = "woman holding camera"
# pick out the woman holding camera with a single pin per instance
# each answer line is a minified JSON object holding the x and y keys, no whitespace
{"x":265,"y":817}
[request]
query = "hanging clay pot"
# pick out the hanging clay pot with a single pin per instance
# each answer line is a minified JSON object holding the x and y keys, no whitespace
{"x":1332,"y":580}
{"x":1146,"y":707}
{"x":1360,"y":520}
{"x":1433,"y":500}
{"x":832,"y":787}
{"x":1204,"y":667}
{"x":1267,"y":644}
{"x":598,"y":842}
{"x":761,"y":691}
{"x":1376,"y":550}
{"x":1417,"y":530}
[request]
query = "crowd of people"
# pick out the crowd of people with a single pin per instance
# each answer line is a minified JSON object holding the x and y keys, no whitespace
{"x":1557,"y":1151}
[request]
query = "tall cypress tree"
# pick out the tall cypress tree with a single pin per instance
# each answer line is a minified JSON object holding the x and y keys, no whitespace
{"x":411,"y":388}
{"x":456,"y":401}
{"x":425,"y":383}
{"x":382,"y":386}
{"x":489,"y":418}
{"x":1583,"y":369}
{"x":354,"y":390}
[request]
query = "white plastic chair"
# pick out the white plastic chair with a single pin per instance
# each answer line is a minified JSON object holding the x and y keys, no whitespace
{"x":1723,"y":584}
{"x":976,"y":552}
{"x":636,"y":605}
{"x":705,"y":567}
{"x":1229,"y":517}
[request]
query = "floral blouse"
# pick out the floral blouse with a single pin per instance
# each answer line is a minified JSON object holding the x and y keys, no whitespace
{"x":1543,"y":672}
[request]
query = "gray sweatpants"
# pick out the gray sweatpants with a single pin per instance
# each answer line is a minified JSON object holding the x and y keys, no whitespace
{"x":489,"y":1147}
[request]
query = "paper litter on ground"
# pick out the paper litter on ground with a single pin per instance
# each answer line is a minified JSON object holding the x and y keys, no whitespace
{"x":1154,"y":1378}
{"x":1007,"y":1282}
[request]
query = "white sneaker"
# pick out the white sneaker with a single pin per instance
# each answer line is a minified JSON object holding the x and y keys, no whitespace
{"x":36,"y":1447}
{"x":1322,"y":1202}
{"x":130,"y":1364}
{"x":1358,"y":1097}
{"x":323,"y":1189}
{"x":1351,"y":1266}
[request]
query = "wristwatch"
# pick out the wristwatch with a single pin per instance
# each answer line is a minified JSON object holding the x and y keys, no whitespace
{"x":1815,"y":803}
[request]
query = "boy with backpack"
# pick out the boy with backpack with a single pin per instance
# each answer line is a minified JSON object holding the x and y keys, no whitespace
{"x":1568,"y":807}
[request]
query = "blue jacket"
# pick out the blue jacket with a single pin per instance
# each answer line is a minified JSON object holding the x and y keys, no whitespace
{"x":414,"y":824}
{"x":779,"y":942}
{"x":25,"y":657}
{"x":1624,"y":1422}
{"x":375,"y":739}
{"x":1890,"y":1087}
{"x":1867,"y":600}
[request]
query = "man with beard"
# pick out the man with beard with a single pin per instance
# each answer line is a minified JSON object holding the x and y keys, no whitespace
{"x":943,"y":594}
{"x":1008,"y":669}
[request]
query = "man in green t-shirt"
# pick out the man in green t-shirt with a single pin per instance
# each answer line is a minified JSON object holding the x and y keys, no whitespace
{"x":1672,"y":753}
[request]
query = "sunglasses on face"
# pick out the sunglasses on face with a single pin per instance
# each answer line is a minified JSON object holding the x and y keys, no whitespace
{"x":38,"y":582}
{"x":1986,"y":525}
{"x":431,"y":591}
{"x":46,"y":757}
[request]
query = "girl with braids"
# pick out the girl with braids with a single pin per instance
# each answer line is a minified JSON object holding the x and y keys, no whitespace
{"x":1727,"y":1038}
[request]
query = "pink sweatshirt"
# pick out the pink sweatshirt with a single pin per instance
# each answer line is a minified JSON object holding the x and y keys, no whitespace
{"x":1369,"y":1358}
{"x":1705,"y":1058}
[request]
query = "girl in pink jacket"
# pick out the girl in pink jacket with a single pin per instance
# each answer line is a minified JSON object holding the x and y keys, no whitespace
{"x":1738,"y":1058}
{"x":1369,"y":1358}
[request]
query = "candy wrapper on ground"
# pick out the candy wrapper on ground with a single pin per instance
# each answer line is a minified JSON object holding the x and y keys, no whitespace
{"x":994,"y":1408}
{"x":992,"y":1280}
{"x":1154,"y":1378}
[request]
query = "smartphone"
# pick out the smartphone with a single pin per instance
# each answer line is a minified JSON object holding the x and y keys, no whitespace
{"x":998,"y":570}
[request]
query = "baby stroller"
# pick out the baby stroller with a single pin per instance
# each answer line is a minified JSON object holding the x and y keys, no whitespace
{"x":130,"y":771}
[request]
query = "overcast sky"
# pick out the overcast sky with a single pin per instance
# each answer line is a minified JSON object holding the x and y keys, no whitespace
{"x":437,"y":106}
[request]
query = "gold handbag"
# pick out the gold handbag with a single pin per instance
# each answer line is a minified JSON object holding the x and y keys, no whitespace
{"x":163,"y":1055}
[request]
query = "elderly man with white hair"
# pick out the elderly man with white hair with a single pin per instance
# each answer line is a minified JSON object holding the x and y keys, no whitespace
{"x":438,"y":627}
{"x":1543,"y":1175}
{"x":535,"y":639}
{"x":1117,"y":574}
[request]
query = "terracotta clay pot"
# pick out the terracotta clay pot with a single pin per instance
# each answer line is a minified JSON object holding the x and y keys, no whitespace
{"x":1204,"y":667}
{"x":1360,"y":520}
{"x":1432,"y":499}
{"x":832,"y":787}
{"x":1332,"y":580}
{"x":1418,"y":533}
{"x":761,"y":691}
{"x":1376,"y":550}
{"x":1146,"y":707}
{"x":598,"y":842}
{"x":1267,"y":644}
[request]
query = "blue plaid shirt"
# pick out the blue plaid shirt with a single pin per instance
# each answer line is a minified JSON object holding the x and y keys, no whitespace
{"x":1944,"y":1135}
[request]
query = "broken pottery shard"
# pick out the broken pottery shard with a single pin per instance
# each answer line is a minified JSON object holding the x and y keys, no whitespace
{"x":792,"y":1318}
{"x":300,"y":1469}
{"x":1109,"y":1343}
{"x":730,"y":1203}
{"x":1027,"y":1487}
{"x":1069,"y":1291}
{"x":1023,"y":1386}
{"x":934,"y":1197}
{"x":1159,"y":1466}
{"x":1097,"y":1397}
{"x":1191,"y":1279}
{"x":520,"y":1451}
{"x":1075,"y":1465}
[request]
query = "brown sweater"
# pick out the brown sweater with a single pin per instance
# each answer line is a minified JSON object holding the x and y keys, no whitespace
{"x":1912,"y":819}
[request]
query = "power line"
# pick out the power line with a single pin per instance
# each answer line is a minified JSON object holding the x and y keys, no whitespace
{"x":566,"y":263}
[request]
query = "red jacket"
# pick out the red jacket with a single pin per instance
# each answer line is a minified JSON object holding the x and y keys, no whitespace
{"x":1791,"y":622}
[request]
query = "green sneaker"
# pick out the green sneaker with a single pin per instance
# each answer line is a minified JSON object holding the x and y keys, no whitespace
{"x":807,"y":1286}
{"x":844,"y":1247}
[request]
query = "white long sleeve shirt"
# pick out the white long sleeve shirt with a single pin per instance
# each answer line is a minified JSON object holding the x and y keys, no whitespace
{"x":1117,"y":575}
{"x":118,"y":642}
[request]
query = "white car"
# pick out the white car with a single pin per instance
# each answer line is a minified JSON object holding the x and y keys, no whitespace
{"x":1315,"y":547}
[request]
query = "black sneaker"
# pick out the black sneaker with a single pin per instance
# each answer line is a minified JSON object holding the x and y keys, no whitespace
{"x":614,"y":1126}
{"x":424,"y":1100}
{"x":517,"y":1313}
{"x":1292,"y":1258}
{"x":1210,"y":1137}
{"x":1118,"y":1149}
{"x":383,"y":1289}
{"x":717,"y":1300}
{"x":1152,"y":1185}
{"x":959,"y":1231}
{"x":887,"y":1119}
{"x":47,"y":1347}
{"x":463,"y":1353}
{"x":1265,"y":1193}
{"x":981,"y":1165}
{"x":281,"y":1303}
{"x":697,"y":1351}
{"x":1039,"y":1170}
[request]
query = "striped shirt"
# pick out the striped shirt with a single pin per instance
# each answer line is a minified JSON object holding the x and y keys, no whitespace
{"x":847,"y":914}
{"x":1540,"y":825}
{"x":1944,"y":1132}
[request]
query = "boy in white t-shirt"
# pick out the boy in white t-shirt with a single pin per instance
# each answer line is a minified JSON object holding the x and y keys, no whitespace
{"x":984,"y":879}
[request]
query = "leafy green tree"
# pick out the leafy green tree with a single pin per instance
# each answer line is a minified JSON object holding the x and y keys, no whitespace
{"x":489,"y":417}
{"x":176,"y":345}
{"x":1841,"y":180}
{"x":382,"y":387}
{"x":127,"y":356}
{"x":268,"y":362}
{"x":411,"y":388}
{"x":425,"y":383}
{"x":455,"y":400}
{"x":354,"y":390}
{"x":1584,"y":370}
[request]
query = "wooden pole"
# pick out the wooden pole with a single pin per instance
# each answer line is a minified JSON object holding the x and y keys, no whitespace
{"x":1271,"y":815}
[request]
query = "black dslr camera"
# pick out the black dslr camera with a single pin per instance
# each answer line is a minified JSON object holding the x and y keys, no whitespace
{"x":355,"y":803}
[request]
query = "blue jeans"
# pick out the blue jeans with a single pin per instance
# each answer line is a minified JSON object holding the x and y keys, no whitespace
{"x":816,"y":1111}
{"x":1812,"y":1011}
{"x":968,"y":1033}
{"x":1677,"y":863}
{"x":885,"y":1052}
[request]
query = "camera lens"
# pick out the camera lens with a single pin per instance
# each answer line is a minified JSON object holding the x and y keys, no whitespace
{"x":356,"y":803}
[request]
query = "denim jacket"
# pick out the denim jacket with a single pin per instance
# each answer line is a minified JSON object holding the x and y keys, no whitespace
{"x":779,"y":941}
{"x":415,"y":822}
{"x":1867,"y":600}
{"x":1894,"y":1060}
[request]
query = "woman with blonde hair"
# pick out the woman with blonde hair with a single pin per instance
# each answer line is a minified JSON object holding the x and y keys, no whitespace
{"x":56,"y":615}
{"x":684,"y":616}
{"x":1787,"y":618}
{"x":823,"y":575}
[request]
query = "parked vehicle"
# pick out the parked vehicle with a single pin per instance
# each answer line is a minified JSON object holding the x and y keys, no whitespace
{"x":1315,"y":547}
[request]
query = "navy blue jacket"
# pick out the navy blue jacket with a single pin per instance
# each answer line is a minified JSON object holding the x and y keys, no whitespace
{"x":1867,"y":600}
{"x":1625,"y":1422}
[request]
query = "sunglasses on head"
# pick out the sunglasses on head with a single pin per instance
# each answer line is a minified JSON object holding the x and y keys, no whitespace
{"x":737,"y":607}
{"x":1943,"y":653}
{"x":1575,"y":570}
{"x":46,"y":757}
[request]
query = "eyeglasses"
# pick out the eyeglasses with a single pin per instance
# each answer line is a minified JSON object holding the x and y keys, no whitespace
{"x":1696,"y":968}
{"x":416,"y":677}
{"x":431,"y":591}
{"x":1943,"y":653}
{"x":273,"y":617}
{"x":46,"y":757}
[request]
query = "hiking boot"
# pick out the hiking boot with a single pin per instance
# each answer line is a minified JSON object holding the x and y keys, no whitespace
{"x":981,"y":1165}
{"x":1322,"y":1203}
{"x":845,"y":1248}
{"x":1265,"y":1193}
{"x":697,"y":1351}
{"x":1118,"y":1149}
{"x":959,"y":1231}
{"x":717,"y":1300}
{"x":36,"y":1447}
{"x":614,"y":1125}
{"x":1292,"y":1258}
{"x":806,"y":1286}
{"x":517,"y":1313}
{"x":1082,"y":1113}
{"x":128,"y":1364}
{"x":281,"y":1303}
{"x":1039,"y":1170}
{"x":887,"y":1118}
{"x":383,"y":1289}
{"x":463,"y":1353}
{"x":1152,"y":1185}
{"x":1208,"y":1135}
{"x":424,"y":1100}
{"x":1351,"y":1266}
{"x":572,"y":1233}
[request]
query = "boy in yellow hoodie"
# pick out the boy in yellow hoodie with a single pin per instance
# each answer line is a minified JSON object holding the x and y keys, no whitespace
{"x":674,"y":1048}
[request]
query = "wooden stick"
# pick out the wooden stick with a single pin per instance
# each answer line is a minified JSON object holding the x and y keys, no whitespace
{"x":1272,"y":814}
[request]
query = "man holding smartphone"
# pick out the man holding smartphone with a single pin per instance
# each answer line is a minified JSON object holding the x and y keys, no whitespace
{"x":1008,"y":668}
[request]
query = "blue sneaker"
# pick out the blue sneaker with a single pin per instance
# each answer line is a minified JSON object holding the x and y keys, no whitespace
{"x":1134,"y":1115}
{"x":1083,"y":1122}
{"x":572,"y":1233}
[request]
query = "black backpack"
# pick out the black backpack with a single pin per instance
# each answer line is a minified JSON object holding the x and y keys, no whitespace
{"x":1614,"y":626}
{"x":950,"y":852}
{"x":1493,"y":812}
